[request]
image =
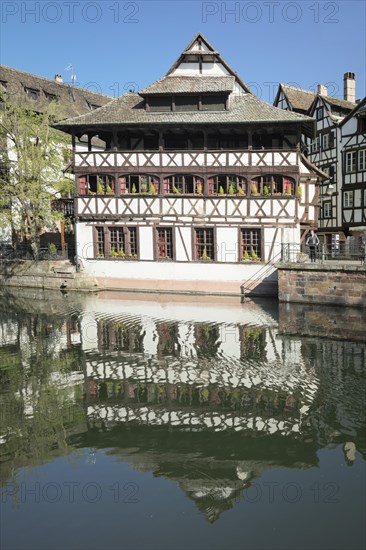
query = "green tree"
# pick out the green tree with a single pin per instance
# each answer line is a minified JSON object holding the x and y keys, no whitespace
{"x":34,"y":155}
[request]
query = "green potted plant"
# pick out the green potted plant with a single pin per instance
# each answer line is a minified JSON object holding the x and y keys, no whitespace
{"x":265,"y":190}
{"x":133,"y":190}
{"x":199,"y":188}
{"x":221,"y":190}
{"x":245,"y":256}
{"x":152,"y":188}
{"x":231,"y":188}
{"x":204,"y":255}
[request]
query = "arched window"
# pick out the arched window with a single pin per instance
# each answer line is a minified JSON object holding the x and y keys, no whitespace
{"x":227,"y":184}
{"x":272,"y":184}
{"x":183,"y":184}
{"x":139,"y":183}
{"x":100,"y":184}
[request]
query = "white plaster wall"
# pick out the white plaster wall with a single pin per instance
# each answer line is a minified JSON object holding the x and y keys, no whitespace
{"x":183,"y":246}
{"x":84,"y":241}
{"x":168,"y":271}
{"x":227,"y":244}
{"x":146,"y":242}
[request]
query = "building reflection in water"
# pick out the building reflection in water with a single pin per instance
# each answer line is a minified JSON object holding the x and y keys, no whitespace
{"x":208,"y":394}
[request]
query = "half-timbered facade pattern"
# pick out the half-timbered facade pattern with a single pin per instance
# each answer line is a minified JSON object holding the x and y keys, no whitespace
{"x":206,"y":173}
{"x":338,"y":149}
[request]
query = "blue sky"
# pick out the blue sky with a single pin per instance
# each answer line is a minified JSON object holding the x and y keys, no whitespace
{"x":114,"y":46}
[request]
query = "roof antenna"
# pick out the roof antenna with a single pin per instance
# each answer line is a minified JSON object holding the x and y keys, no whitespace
{"x":73,"y":76}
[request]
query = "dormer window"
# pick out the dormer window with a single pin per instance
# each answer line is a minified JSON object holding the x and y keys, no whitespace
{"x":184,"y":103}
{"x":213,"y":103}
{"x":320,"y":113}
{"x":32,"y":93}
{"x":50,"y":97}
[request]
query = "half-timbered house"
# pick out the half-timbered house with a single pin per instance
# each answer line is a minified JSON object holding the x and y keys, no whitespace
{"x":353,"y":192}
{"x":338,"y":150}
{"x":199,"y":185}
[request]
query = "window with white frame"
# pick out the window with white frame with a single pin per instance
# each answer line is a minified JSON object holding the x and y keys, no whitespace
{"x":327,"y":210}
{"x":348,"y":199}
{"x":351,"y":161}
{"x":362,"y":159}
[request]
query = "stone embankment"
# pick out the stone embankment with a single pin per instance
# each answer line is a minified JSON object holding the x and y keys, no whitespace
{"x":57,"y":274}
{"x":331,"y":284}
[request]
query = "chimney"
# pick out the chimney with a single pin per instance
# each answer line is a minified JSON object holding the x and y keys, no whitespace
{"x":349,"y":86}
{"x":58,"y":78}
{"x":322,"y":89}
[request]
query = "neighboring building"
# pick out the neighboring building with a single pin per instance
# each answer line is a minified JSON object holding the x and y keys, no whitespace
{"x":338,"y":150}
{"x":198,"y":179}
{"x":35,"y":93}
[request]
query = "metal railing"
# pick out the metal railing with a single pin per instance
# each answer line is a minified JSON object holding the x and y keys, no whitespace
{"x":342,"y":252}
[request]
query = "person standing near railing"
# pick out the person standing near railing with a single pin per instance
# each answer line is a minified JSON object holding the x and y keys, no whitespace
{"x":313,"y":242}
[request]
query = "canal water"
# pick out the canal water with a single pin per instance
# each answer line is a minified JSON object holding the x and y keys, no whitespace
{"x":133,"y":421}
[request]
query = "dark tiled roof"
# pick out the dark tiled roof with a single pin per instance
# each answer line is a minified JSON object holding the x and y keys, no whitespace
{"x":129,"y":109}
{"x":190,"y":84}
{"x":299,"y":99}
{"x":74,"y":101}
{"x":359,"y":109}
{"x":342,"y":103}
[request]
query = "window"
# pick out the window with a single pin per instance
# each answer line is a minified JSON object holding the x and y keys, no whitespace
{"x":351,"y":161}
{"x":326,"y":141}
{"x":32,"y":93}
{"x":213,"y":103}
{"x":348,"y":199}
{"x":50,"y":97}
{"x":250,"y":243}
{"x":183,"y":185}
{"x":362,"y":159}
{"x":92,"y":184}
{"x":164,"y":245}
{"x":100,"y":241}
{"x":204,"y":244}
{"x":315,"y":145}
{"x":141,"y":183}
{"x":160,"y":103}
{"x":361,"y":125}
{"x":118,"y":242}
{"x":186,"y":103}
{"x":327,"y":210}
{"x":319,"y":113}
{"x":227,"y":184}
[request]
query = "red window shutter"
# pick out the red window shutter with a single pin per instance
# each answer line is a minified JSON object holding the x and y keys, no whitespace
{"x":210,"y":183}
{"x":166,"y":185}
{"x":122,"y":183}
{"x":82,"y":185}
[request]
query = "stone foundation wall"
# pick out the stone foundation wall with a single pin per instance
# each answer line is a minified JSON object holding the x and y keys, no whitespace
{"x":44,"y":275}
{"x":338,"y":285}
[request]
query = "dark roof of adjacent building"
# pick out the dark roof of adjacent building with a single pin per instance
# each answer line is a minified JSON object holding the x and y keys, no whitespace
{"x":190,"y":85}
{"x":358,"y":110}
{"x":130,"y":110}
{"x":304,"y":100}
{"x":74,"y":101}
{"x":300,"y":99}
